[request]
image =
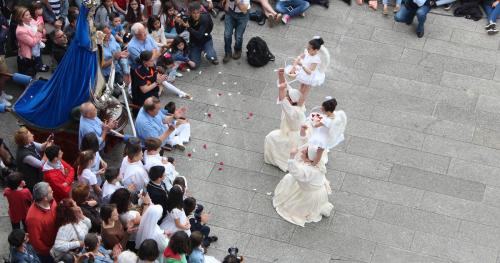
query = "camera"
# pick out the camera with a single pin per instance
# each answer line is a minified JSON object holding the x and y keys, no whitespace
{"x":182,"y":14}
{"x":233,"y":253}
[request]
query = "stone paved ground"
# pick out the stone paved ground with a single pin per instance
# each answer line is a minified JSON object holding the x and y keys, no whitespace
{"x":418,"y":177}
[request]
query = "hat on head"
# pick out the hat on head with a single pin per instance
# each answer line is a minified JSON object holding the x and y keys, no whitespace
{"x":294,"y":95}
{"x":311,"y":152}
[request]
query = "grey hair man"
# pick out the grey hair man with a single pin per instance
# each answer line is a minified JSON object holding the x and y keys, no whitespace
{"x":89,"y":122}
{"x":41,"y":221}
{"x":141,"y":41}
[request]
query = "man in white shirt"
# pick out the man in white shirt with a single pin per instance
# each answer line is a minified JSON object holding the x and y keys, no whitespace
{"x":236,"y":20}
{"x":409,"y":9}
{"x":133,"y":172}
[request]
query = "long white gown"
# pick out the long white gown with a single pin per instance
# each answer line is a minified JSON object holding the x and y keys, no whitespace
{"x":149,"y":228}
{"x":302,"y":195}
{"x":278,"y":143}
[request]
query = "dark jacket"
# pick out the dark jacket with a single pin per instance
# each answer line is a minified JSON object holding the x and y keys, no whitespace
{"x":200,"y":31}
{"x":32,"y":175}
{"x":4,"y":32}
{"x":92,"y":213}
{"x":159,"y":196}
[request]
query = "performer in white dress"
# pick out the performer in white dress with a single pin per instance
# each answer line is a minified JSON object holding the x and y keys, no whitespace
{"x":325,"y":130}
{"x":302,"y":195}
{"x":278,"y":143}
{"x":308,"y":68}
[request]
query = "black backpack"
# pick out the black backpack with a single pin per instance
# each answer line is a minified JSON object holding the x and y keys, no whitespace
{"x":258,"y":53}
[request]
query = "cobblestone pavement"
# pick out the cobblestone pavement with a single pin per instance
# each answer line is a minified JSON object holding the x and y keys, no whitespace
{"x":418,"y":177}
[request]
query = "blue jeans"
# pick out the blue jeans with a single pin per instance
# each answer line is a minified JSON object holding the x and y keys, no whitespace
{"x":171,"y":34}
{"x":195,"y":52}
{"x":292,"y":7}
{"x":398,"y":2}
{"x":406,"y":15}
{"x":491,"y":12}
{"x":237,"y":23}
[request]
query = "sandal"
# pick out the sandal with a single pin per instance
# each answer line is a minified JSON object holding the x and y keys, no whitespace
{"x":271,"y":20}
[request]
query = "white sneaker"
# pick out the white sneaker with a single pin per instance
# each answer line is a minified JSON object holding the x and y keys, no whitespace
{"x":5,"y":102}
{"x":178,"y":74}
{"x":6,"y":96}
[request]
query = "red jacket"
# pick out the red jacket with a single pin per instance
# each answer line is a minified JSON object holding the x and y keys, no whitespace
{"x":19,"y":203}
{"x":56,"y":179}
{"x":42,"y":228}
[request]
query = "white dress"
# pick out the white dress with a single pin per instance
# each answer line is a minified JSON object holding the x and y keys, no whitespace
{"x":149,"y":229}
{"x":316,"y":78}
{"x":278,"y":143}
{"x":302,"y":195}
{"x":168,"y":223}
{"x":331,"y":133}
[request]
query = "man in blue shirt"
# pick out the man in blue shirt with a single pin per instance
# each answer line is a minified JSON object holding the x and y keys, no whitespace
{"x":141,"y":41}
{"x":89,"y":122}
{"x":112,"y":53}
{"x":152,"y":123}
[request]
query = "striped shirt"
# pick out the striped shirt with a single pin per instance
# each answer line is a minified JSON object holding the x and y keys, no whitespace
{"x":56,"y":7}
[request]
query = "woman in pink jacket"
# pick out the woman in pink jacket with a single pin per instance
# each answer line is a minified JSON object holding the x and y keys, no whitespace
{"x":29,"y":38}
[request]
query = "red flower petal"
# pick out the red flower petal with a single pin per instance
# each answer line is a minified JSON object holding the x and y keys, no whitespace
{"x":189,"y":154}
{"x":219,"y":94}
{"x":220,"y":168}
{"x":250,"y":114}
{"x":209,"y":115}
{"x":221,"y":163}
{"x":204,"y":146}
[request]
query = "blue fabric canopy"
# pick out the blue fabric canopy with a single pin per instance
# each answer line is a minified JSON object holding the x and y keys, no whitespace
{"x":48,"y":104}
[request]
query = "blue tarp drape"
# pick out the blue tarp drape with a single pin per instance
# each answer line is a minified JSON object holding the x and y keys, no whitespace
{"x":48,"y":104}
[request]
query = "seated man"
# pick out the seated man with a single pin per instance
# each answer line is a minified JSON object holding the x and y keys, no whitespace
{"x":141,"y":41}
{"x":57,"y":173}
{"x":409,"y":9}
{"x":89,"y":122}
{"x":151,"y":122}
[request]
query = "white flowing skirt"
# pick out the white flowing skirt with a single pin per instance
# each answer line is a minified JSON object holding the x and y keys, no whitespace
{"x":277,"y":148}
{"x":301,"y":203}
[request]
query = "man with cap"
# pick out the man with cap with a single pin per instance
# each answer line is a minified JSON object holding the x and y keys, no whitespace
{"x":279,"y":142}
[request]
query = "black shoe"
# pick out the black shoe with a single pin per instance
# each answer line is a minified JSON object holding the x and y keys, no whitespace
{"x":226,"y":58}
{"x":409,"y":22}
{"x":214,"y":61}
{"x":167,"y":147}
{"x":420,"y":34}
{"x":493,"y":30}
{"x":490,"y":26}
{"x":213,"y":239}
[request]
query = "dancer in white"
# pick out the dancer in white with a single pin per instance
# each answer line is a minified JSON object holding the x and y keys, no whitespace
{"x":279,"y":142}
{"x":302,"y":195}
{"x":325,"y":130}
{"x":309,"y":68}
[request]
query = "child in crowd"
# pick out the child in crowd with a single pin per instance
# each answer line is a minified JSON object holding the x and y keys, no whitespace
{"x":111,"y":184}
{"x":198,"y":220}
{"x":167,"y":19}
{"x":21,"y":250}
{"x":165,"y":65}
{"x":133,"y":170}
{"x":85,"y":175}
{"x":308,"y":68}
{"x":19,"y":199}
{"x":180,"y":53}
{"x":37,"y":14}
{"x":157,"y":32}
{"x":134,"y":13}
{"x":152,"y":158}
{"x":181,"y":181}
{"x":176,"y":219}
{"x":117,"y":29}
